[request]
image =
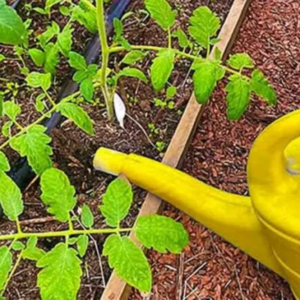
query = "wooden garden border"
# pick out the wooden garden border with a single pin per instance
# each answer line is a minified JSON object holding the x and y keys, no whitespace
{"x":117,"y":289}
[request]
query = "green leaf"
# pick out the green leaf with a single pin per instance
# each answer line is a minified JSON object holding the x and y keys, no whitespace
{"x":116,"y":202}
{"x":12,"y":29}
{"x":31,"y":252}
{"x":205,"y":79}
{"x":37,"y":80}
{"x":132,"y":72}
{"x":77,"y":61}
{"x":49,"y":4}
{"x":86,"y":17}
{"x":39,"y":104}
{"x":240,"y":61}
{"x":133,"y":57}
{"x":5,"y":263}
{"x":10,"y":197}
{"x":4,"y":163}
{"x":58,"y":194}
{"x":182,"y":38}
{"x":11,"y":109}
{"x":87,"y":89}
{"x":82,"y":245}
{"x":118,"y":26}
{"x":171,"y":92}
{"x":261,"y":87}
{"x":47,"y":35}
{"x":51,"y":58}
{"x":87,"y":218}
{"x":77,"y":115}
{"x":161,"y":12}
{"x":161,"y":233}
{"x":2,"y":57}
{"x":204,"y":24}
{"x":64,"y":40}
{"x":18,"y":246}
{"x":162,"y":68}
{"x":128,"y":261}
{"x":34,"y":144}
{"x":238,"y":96}
{"x":37,"y":56}
{"x":60,"y":275}
{"x":6,"y":128}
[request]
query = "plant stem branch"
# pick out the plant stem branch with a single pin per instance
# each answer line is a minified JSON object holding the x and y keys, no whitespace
{"x":169,"y":38}
{"x":49,"y":97}
{"x":63,"y":233}
{"x":105,"y":56}
{"x":178,"y":52}
{"x":12,"y":272}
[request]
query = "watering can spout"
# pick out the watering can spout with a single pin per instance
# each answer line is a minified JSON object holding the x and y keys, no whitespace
{"x":265,"y":225}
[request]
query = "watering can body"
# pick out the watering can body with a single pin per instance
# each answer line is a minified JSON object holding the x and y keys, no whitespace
{"x":265,"y":225}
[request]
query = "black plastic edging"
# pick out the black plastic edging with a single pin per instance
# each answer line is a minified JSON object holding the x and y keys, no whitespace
{"x":21,"y":172}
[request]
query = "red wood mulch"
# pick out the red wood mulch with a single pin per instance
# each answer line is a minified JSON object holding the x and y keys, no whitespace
{"x":210,"y":268}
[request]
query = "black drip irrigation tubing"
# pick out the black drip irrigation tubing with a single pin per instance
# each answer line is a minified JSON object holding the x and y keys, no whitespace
{"x":21,"y":172}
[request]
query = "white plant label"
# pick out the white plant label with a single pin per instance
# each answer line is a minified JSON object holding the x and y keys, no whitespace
{"x":120,"y":109}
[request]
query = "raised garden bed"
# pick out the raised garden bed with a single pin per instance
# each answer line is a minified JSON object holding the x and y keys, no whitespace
{"x":73,"y":150}
{"x":211,"y":268}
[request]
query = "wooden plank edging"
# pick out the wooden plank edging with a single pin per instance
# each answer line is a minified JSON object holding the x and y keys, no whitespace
{"x":116,"y":288}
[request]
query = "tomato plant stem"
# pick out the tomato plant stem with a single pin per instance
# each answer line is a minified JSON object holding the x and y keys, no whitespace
{"x":178,"y":52}
{"x":63,"y":233}
{"x":105,"y":57}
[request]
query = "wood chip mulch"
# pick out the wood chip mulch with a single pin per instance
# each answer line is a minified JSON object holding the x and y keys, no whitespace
{"x":210,"y":268}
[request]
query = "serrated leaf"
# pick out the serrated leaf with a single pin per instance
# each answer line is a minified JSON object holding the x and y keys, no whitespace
{"x":10,"y":197}
{"x":82,"y":245}
{"x":116,"y":202}
{"x":51,"y":58}
{"x":37,"y":56}
{"x":60,"y":265}
{"x":240,"y":61}
{"x":182,"y":38}
{"x":77,"y":61}
{"x":6,"y":128}
{"x":18,"y":246}
{"x":5,"y":263}
{"x":86,"y":17}
{"x":37,"y":80}
{"x":118,"y":26}
{"x":87,"y":218}
{"x":47,"y":35}
{"x":261,"y":87}
{"x":161,"y":12}
{"x":205,"y":79}
{"x":171,"y":92}
{"x":162,"y":68}
{"x":87,"y":89}
{"x":34,"y":144}
{"x":12,"y":28}
{"x":31,"y":251}
{"x":132,"y":72}
{"x":204,"y":24}
{"x":77,"y":115}
{"x":238,"y":96}
{"x":11,"y":109}
{"x":128,"y":261}
{"x":64,"y":40}
{"x":4,"y":163}
{"x":133,"y":57}
{"x":49,"y":4}
{"x":161,"y":233}
{"x":58,"y":194}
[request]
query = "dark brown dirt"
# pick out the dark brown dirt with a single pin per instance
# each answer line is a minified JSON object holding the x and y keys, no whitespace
{"x":73,"y":150}
{"x":211,"y":268}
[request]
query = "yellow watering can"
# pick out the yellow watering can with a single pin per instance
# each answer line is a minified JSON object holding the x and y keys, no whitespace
{"x":265,"y":225}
